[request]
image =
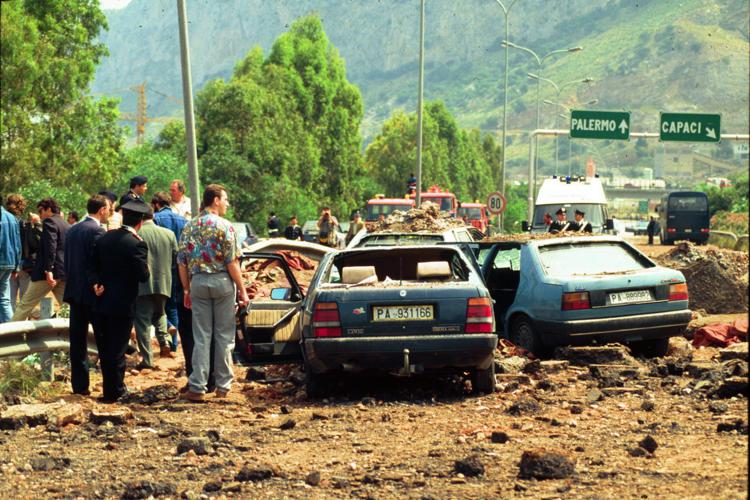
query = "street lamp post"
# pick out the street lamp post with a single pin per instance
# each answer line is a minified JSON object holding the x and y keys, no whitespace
{"x":559,"y":89}
{"x":420,"y":95}
{"x":540,"y":65}
{"x":567,"y":110}
{"x":506,"y":12}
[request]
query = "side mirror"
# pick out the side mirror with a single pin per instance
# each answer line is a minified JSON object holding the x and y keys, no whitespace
{"x":610,"y":224}
{"x":524,"y":225}
{"x":281,"y":293}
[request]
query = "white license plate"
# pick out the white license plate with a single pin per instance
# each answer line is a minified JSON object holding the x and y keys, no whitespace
{"x":403,"y":313}
{"x":688,"y":230}
{"x":630,"y":297}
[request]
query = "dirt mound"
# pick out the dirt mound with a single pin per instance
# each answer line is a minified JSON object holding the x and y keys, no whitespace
{"x":524,"y":237}
{"x":717,"y":278}
{"x":428,"y":219}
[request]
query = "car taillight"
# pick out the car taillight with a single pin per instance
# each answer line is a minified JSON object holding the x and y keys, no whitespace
{"x":326,"y":321}
{"x":678,"y":291}
{"x":704,"y":230}
{"x":575,"y":300}
{"x":479,"y":315}
{"x":671,"y":230}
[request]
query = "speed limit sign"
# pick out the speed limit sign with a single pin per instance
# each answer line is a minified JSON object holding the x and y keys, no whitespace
{"x":496,"y":203}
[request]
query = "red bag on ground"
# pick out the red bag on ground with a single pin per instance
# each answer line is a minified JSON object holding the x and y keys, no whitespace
{"x":721,"y":334}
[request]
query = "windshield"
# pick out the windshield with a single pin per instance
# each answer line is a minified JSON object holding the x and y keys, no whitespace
{"x":596,"y":214}
{"x":470,"y":213}
{"x":379,"y":240}
{"x":241,"y":230}
{"x":688,"y":203}
{"x":445,"y":203}
{"x":583,"y":258}
{"x":374,"y":210}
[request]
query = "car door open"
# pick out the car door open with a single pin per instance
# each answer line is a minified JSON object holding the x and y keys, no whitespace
{"x":268,"y":328}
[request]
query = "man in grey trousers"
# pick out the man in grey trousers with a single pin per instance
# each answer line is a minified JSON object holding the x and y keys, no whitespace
{"x":154,"y":292}
{"x":208,"y":260}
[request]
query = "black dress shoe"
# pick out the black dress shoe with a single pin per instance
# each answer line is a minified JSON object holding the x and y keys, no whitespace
{"x":85,"y":392}
{"x":131,"y":349}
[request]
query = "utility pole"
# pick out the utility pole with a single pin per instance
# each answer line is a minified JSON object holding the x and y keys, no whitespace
{"x":187,"y":93}
{"x":420,"y":94}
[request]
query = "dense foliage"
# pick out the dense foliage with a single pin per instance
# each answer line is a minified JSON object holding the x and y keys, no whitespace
{"x":48,"y":128}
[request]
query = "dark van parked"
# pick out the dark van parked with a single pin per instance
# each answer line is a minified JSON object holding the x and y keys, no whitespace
{"x":683,"y":215}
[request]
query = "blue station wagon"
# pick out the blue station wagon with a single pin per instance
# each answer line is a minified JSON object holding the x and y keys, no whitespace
{"x":396,"y":309}
{"x":580,"y":290}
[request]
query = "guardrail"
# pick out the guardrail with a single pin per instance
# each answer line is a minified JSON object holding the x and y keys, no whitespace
{"x":742,"y":243}
{"x":22,"y":338}
{"x":723,"y":239}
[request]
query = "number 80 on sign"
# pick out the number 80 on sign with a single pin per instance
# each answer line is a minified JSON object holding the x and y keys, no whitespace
{"x":496,"y":203}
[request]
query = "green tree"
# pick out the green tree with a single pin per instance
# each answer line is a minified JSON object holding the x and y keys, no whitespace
{"x":48,"y":127}
{"x":283,"y":132}
{"x":463,"y":161}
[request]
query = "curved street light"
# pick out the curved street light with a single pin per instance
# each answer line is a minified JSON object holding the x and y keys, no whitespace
{"x":559,"y":89}
{"x":540,"y":63}
{"x":506,"y":12}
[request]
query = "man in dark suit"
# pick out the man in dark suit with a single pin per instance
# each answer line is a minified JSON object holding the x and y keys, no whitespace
{"x":48,"y":274}
{"x":561,"y":224}
{"x":79,"y":248}
{"x":120,"y":262}
{"x":582,"y":225}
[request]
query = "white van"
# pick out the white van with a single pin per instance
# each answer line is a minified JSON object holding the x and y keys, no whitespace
{"x":574,"y":193}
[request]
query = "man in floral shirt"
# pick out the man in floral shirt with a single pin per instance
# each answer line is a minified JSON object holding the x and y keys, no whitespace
{"x":209,"y":271}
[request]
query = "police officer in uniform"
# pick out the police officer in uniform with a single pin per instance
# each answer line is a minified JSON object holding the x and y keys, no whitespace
{"x":582,"y":225}
{"x":561,"y":223}
{"x":120,"y":262}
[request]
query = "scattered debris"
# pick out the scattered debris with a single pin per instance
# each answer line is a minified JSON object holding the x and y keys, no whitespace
{"x":199,"y":445}
{"x":58,"y":414}
{"x":429,"y":218}
{"x":469,"y":467}
{"x":649,"y":444}
{"x":610,"y":354}
{"x":118,"y":415}
{"x":716,"y":278}
{"x":734,"y":351}
{"x":524,"y":406}
{"x":148,"y":489}
{"x":248,"y":473}
{"x":313,"y":478}
{"x":543,"y":463}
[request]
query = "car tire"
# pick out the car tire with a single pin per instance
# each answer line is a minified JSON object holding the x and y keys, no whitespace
{"x":523,"y":335}
{"x":652,"y":348}
{"x":483,"y":380}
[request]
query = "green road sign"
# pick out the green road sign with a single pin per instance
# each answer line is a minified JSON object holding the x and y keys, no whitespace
{"x":599,"y":124}
{"x":689,"y":127}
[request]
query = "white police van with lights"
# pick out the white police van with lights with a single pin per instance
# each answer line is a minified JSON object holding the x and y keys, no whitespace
{"x":572,"y":193}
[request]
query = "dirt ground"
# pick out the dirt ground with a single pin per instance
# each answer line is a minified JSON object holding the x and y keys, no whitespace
{"x":387,"y":437}
{"x":632,"y":429}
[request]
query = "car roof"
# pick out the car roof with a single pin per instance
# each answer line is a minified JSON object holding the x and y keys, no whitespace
{"x":558,"y":192}
{"x":546,"y":239}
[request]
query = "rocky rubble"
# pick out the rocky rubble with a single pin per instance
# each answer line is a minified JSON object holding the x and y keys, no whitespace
{"x":428,"y":218}
{"x":717,"y":278}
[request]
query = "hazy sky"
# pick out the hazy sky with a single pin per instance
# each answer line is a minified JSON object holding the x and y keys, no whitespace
{"x":113,"y":4}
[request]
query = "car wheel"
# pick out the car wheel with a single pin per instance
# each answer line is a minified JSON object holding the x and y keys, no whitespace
{"x":523,"y":335}
{"x":483,"y":380}
{"x":652,"y":348}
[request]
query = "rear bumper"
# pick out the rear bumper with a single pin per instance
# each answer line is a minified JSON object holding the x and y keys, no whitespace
{"x":387,"y":353}
{"x":616,"y":329}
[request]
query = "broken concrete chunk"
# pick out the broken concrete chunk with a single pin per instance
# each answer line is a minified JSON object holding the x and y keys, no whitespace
{"x":734,"y":351}
{"x":610,"y":354}
{"x":543,"y":463}
{"x":59,"y":414}
{"x":117,"y":416}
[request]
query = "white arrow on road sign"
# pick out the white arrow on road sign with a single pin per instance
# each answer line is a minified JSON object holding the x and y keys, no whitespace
{"x":623,"y":126}
{"x":711,"y":133}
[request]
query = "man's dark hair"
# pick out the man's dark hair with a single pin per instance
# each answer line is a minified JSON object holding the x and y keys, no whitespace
{"x":95,"y":203}
{"x":49,"y":204}
{"x":109,"y":195}
{"x":74,"y":215}
{"x":212,"y":191}
{"x":272,"y":214}
{"x":161,"y":199}
{"x":131,"y":218}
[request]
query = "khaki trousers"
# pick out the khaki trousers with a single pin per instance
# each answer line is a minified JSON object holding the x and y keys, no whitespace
{"x":36,"y":291}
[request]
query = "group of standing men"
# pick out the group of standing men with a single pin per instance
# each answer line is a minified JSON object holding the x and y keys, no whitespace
{"x":561,"y":223}
{"x":135,"y":273}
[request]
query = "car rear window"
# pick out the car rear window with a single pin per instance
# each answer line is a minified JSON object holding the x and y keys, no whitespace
{"x":379,"y":240}
{"x":590,"y":258}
